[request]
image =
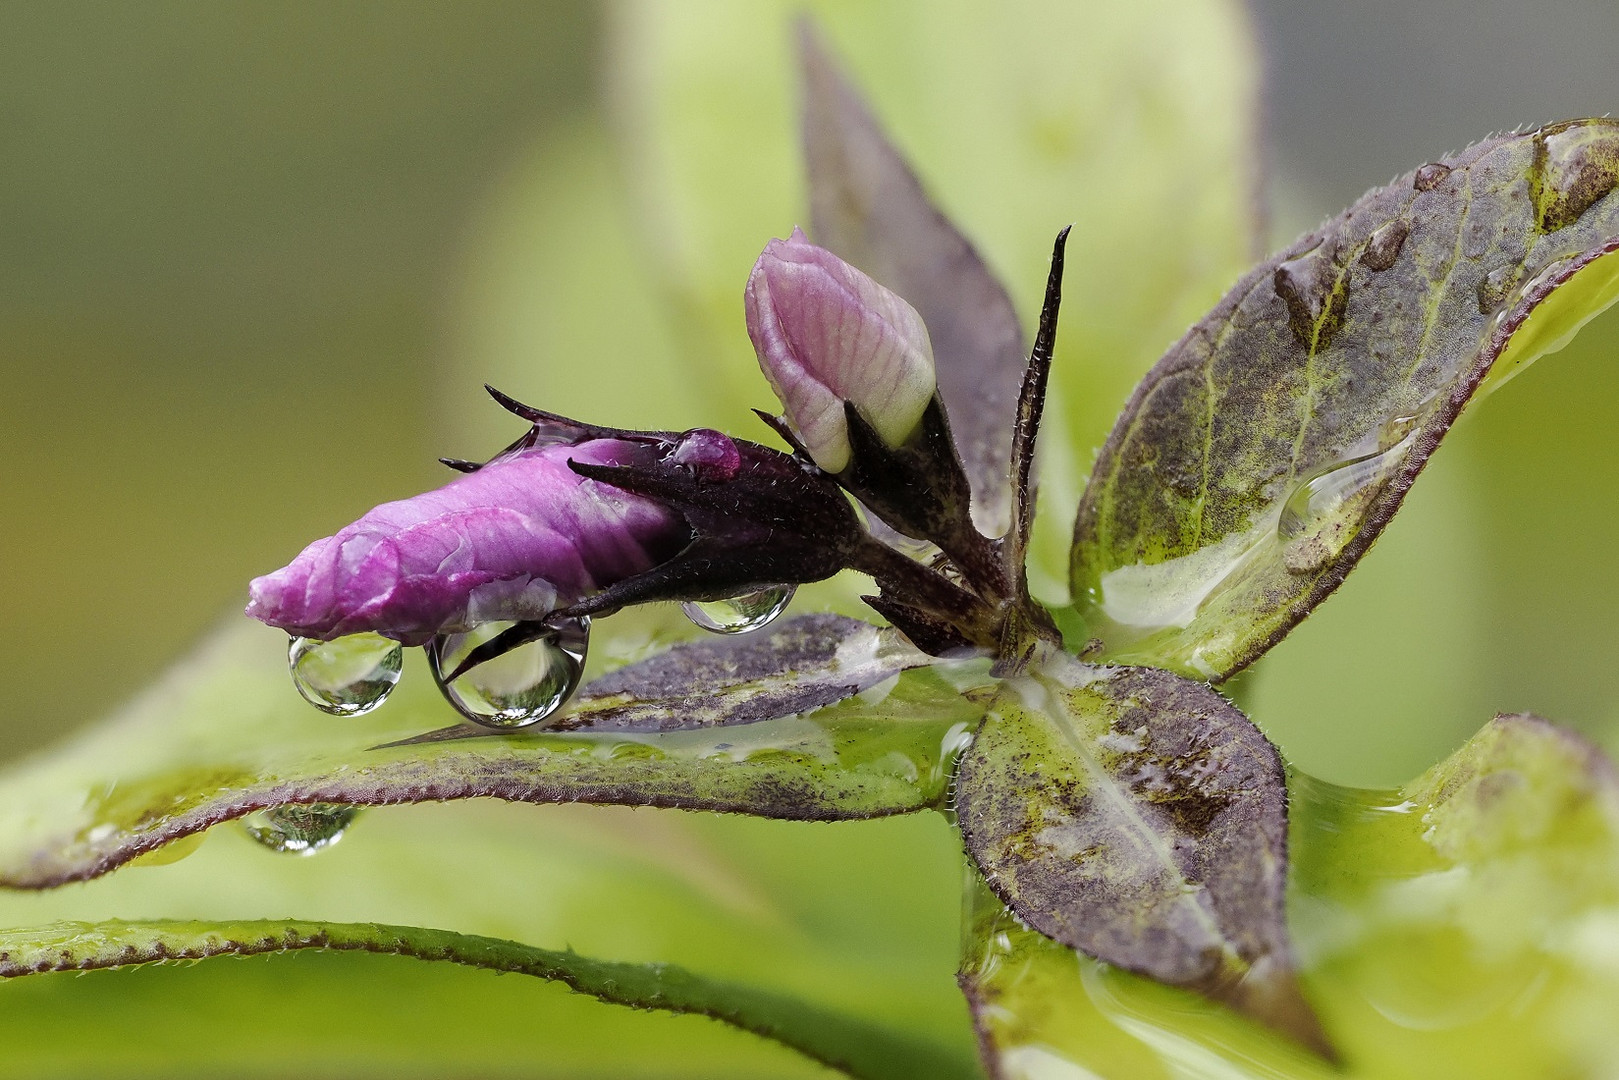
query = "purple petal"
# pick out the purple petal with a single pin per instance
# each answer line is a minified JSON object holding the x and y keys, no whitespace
{"x":519,"y":538}
{"x":825,"y":334}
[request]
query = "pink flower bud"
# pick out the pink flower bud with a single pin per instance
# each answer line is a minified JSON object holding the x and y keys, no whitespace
{"x":517,"y":539}
{"x":825,"y":334}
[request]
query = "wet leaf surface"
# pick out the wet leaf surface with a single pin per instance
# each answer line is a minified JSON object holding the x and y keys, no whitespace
{"x":1141,"y":819}
{"x":225,"y":735}
{"x":846,"y":1043}
{"x":869,"y":208}
{"x":1462,"y":926}
{"x":1260,"y":459}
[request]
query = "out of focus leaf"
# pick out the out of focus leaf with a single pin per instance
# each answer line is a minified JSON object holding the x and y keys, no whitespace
{"x":846,"y":1043}
{"x":1136,"y":122}
{"x":1461,"y":927}
{"x":1138,"y":817}
{"x":869,"y":207}
{"x":224,"y":735}
{"x":1264,"y":454}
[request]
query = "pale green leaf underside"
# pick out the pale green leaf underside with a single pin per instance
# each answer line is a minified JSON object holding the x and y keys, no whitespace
{"x":1464,"y":926}
{"x":1263,"y":455}
{"x":846,"y":1043}
{"x":225,"y":734}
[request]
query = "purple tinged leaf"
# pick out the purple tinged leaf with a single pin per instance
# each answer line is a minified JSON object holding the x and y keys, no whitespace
{"x":1262,"y":456}
{"x":814,"y":719}
{"x":869,"y":207}
{"x":794,"y":667}
{"x":520,"y":537}
{"x":1140,"y":818}
{"x":827,"y":334}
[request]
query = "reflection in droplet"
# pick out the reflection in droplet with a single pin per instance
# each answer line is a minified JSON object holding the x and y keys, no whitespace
{"x":1314,"y":527}
{"x":520,"y":687}
{"x":300,"y":828}
{"x":740,"y":614}
{"x":347,"y":676}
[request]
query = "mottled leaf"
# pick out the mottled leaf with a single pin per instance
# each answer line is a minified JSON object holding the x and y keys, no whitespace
{"x":1464,"y":926}
{"x":1140,"y":818}
{"x":169,"y":767}
{"x":848,"y":1044}
{"x":1260,"y":459}
{"x":795,"y":666}
{"x":868,"y":207}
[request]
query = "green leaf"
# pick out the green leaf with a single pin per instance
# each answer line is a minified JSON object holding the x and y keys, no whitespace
{"x":1260,"y":459}
{"x":1463,"y":926}
{"x":846,"y":1043}
{"x":1141,"y":819}
{"x":225,"y":735}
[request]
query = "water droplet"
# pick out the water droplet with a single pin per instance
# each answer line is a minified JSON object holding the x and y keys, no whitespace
{"x":740,"y":614}
{"x":1316,"y":294}
{"x":520,"y":687}
{"x":1383,"y":246}
{"x":1576,"y":164}
{"x":1430,"y":176}
{"x":347,"y":676}
{"x":300,"y":828}
{"x":1316,"y":522}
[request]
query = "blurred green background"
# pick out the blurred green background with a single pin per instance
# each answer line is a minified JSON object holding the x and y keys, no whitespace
{"x":245,"y":285}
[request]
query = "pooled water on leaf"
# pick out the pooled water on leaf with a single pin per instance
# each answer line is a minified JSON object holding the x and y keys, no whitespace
{"x":300,"y":828}
{"x":347,"y":676}
{"x":740,"y":614}
{"x":1317,"y":520}
{"x":519,"y":688}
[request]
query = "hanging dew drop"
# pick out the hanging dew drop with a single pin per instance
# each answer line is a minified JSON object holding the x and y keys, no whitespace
{"x":740,"y":614}
{"x":300,"y":828}
{"x":347,"y":676}
{"x":520,"y":687}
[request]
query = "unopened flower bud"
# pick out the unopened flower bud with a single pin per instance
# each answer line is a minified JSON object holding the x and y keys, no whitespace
{"x":826,"y":334}
{"x":518,"y":539}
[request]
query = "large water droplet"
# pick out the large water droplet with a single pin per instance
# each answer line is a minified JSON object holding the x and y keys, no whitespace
{"x":1315,"y":292}
{"x":518,"y":688}
{"x":739,"y":614}
{"x":300,"y":828}
{"x":1383,"y":246}
{"x":347,"y":676}
{"x":1317,"y":521}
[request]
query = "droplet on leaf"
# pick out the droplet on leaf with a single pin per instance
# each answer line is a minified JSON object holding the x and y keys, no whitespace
{"x":300,"y":828}
{"x":1383,"y":246}
{"x":1430,"y":176}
